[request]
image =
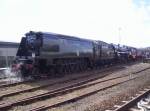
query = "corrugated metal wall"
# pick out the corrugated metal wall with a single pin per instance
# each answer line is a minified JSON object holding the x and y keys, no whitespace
{"x":7,"y":53}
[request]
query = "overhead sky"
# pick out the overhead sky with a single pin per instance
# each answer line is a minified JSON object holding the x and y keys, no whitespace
{"x":113,"y":21}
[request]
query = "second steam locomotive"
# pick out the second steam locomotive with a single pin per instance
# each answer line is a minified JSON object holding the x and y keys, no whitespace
{"x":50,"y":54}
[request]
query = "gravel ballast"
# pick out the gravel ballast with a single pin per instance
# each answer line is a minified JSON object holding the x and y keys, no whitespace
{"x":108,"y":98}
{"x":103,"y":99}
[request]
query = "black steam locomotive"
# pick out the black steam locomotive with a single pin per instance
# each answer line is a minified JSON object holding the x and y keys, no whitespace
{"x":50,"y":54}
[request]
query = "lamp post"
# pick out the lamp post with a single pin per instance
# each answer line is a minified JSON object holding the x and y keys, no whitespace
{"x":6,"y":56}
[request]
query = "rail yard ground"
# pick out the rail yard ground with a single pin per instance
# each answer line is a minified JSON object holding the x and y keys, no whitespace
{"x":96,"y":90}
{"x":106,"y":99}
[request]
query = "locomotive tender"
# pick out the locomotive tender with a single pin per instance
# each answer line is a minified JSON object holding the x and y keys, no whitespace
{"x":49,"y":53}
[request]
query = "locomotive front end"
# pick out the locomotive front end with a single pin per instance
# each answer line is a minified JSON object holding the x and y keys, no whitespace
{"x":28,"y":51}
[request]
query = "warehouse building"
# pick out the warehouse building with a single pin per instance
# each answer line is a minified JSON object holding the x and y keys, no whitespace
{"x":8,"y":52}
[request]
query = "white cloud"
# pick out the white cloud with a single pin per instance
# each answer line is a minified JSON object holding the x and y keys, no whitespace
{"x":93,"y":19}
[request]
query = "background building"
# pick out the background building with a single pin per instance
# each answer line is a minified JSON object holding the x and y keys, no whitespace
{"x":8,"y":52}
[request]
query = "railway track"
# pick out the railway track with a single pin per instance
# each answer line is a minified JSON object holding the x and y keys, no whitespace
{"x":8,"y":83}
{"x":71,"y":88}
{"x":13,"y":83}
{"x":130,"y":104}
{"x":84,"y":79}
{"x":22,"y":88}
{"x":83,"y":93}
